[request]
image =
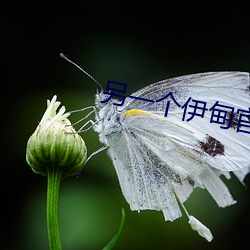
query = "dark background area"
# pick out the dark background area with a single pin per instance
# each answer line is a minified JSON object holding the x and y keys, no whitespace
{"x":136,"y":43}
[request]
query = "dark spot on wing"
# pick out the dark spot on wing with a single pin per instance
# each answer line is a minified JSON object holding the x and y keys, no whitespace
{"x":234,"y":122}
{"x":212,"y":146}
{"x":191,"y":181}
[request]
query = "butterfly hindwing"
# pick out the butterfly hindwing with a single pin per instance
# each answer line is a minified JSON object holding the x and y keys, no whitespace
{"x":142,"y":184}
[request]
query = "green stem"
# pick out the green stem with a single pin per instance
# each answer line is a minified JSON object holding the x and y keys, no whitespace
{"x":54,"y":177}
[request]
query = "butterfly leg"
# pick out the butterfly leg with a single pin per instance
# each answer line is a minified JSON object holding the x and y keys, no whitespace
{"x":91,"y":155}
{"x":82,"y":128}
{"x":96,"y":152}
{"x":86,"y":116}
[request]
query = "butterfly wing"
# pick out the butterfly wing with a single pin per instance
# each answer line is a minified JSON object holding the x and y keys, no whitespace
{"x":158,"y":157}
{"x":152,"y":167}
{"x":141,"y":184}
{"x":212,"y":85}
{"x":225,"y":149}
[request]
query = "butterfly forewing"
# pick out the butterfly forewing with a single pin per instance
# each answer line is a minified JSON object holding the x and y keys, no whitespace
{"x":222,"y":148}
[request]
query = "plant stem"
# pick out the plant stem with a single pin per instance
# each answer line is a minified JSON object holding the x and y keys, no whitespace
{"x":54,"y":177}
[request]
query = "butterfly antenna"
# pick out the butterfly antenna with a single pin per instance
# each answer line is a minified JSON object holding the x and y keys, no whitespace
{"x":68,"y":60}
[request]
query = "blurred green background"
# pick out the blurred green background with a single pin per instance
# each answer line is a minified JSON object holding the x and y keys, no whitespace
{"x":124,"y":41}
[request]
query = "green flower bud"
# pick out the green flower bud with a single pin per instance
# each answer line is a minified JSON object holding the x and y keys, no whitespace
{"x":55,"y":144}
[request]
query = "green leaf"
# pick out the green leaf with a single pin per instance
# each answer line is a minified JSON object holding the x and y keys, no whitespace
{"x":117,"y":234}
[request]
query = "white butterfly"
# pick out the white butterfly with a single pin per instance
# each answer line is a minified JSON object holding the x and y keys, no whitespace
{"x":159,"y":159}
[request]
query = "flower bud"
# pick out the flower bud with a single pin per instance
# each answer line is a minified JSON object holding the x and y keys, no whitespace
{"x":55,"y":144}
